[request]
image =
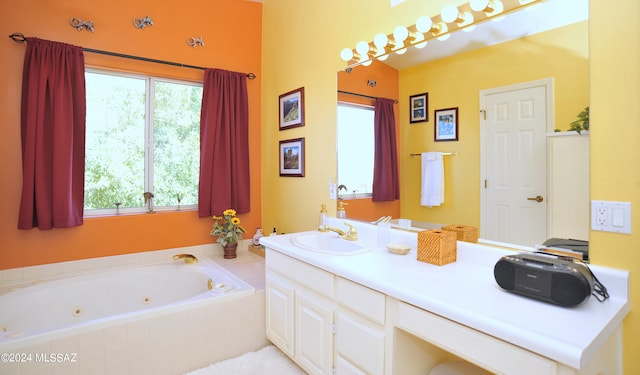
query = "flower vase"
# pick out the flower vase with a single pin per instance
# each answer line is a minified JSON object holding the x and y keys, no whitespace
{"x":230,"y":251}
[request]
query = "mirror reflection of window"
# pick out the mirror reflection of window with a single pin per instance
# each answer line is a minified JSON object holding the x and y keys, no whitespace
{"x":355,"y":149}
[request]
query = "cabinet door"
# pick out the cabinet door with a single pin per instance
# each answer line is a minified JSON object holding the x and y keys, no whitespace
{"x":280,"y":312}
{"x":359,"y":346}
{"x":314,"y":334}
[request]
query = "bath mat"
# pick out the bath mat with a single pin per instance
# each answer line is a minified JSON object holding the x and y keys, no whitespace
{"x":266,"y":361}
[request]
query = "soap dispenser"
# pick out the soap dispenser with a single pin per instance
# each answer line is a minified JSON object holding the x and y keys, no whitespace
{"x":322,"y":218}
{"x":257,"y":236}
{"x":341,"y":213}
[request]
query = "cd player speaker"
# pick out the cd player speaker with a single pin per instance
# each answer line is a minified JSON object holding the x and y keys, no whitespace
{"x":546,"y":279}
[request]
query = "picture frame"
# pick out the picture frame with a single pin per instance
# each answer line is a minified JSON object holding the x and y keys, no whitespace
{"x":419,"y":108}
{"x":292,"y":158}
{"x":291,"y":109}
{"x":446,"y":124}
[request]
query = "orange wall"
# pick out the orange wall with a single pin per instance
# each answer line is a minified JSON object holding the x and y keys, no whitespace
{"x":386,"y":86}
{"x":232,"y":32}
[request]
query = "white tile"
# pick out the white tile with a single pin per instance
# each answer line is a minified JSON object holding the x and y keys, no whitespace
{"x":115,"y":356}
{"x":179,"y":322}
{"x":11,"y":275}
{"x":67,"y":368}
{"x":91,"y":341}
{"x":65,"y":345}
{"x":91,"y":363}
{"x":197,"y":317}
{"x":32,"y":272}
{"x":138,"y":350}
{"x":117,"y":370}
{"x":7,"y":368}
{"x":138,"y":330}
{"x":140,"y":368}
{"x":159,"y":326}
{"x":116,"y":335}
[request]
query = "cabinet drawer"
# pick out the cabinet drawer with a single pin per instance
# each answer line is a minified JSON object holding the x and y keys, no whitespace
{"x":486,"y":351}
{"x":361,"y":299}
{"x":302,"y":273}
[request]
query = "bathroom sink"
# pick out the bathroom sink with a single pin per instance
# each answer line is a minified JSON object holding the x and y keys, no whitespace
{"x":328,"y":243}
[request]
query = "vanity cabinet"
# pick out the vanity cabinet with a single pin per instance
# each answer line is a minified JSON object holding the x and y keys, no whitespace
{"x":355,"y":316}
{"x":327,"y":324}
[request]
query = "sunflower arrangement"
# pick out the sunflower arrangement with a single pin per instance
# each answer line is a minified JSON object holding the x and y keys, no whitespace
{"x":227,"y":227}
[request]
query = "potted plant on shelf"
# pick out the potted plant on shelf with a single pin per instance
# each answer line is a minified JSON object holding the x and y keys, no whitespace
{"x":228,"y":229}
{"x":582,"y":123}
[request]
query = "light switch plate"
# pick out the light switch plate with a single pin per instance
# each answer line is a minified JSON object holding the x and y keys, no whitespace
{"x":610,"y":216}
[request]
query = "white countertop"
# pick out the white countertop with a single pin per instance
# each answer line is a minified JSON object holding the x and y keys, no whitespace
{"x":466,"y":292}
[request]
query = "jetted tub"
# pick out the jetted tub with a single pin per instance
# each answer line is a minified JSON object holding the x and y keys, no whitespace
{"x":162,"y":298}
{"x":56,"y":305}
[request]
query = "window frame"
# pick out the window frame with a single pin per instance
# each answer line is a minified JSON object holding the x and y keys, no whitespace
{"x":148,"y":144}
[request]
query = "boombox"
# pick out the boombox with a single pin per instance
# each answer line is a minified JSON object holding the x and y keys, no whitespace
{"x":544,"y":277}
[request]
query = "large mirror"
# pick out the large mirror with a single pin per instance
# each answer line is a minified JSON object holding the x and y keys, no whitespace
{"x":531,"y":61}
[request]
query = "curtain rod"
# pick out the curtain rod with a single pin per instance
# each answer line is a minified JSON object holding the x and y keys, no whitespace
{"x":444,"y":153}
{"x":20,"y":38}
{"x":361,"y":95}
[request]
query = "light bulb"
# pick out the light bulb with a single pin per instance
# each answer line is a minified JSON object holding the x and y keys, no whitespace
{"x":449,"y":13}
{"x":401,"y":51}
{"x":383,"y":57}
{"x":424,"y":24}
{"x":400,"y":33}
{"x":380,"y":41}
{"x":346,"y":54}
{"x":480,"y":5}
{"x":362,"y":48}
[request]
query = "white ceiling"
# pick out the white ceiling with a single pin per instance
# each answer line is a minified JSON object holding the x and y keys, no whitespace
{"x":545,"y":16}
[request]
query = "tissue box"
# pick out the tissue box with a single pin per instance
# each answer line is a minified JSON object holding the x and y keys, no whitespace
{"x":465,"y":233}
{"x":437,"y":247}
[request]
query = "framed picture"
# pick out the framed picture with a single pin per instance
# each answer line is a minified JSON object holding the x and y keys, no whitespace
{"x":292,"y":109}
{"x":446,"y":124}
{"x":419,"y":107}
{"x":292,"y":157}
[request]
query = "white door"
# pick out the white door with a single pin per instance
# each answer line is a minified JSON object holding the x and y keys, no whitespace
{"x":514,"y":161}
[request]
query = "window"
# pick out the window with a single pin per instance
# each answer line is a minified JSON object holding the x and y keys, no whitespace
{"x":143,"y":134}
{"x":355,"y":149}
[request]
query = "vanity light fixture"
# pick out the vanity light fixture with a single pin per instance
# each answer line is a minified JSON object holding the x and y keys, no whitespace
{"x":464,"y":17}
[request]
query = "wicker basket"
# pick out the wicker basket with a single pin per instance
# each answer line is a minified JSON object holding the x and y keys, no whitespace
{"x":465,"y":233}
{"x":437,"y":247}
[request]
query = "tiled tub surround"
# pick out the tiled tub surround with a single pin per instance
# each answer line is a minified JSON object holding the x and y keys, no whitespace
{"x":186,"y":332}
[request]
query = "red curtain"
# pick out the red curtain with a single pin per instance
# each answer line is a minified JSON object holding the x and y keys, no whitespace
{"x":385,"y":167}
{"x":53,"y":135}
{"x":224,"y":144}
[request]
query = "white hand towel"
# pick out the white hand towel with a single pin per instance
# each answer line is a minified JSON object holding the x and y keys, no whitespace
{"x":432,"y":189}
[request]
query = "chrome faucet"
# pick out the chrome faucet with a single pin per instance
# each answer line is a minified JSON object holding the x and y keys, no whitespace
{"x":188,"y":258}
{"x":351,"y":234}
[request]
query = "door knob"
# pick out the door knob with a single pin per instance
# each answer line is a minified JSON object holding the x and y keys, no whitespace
{"x":537,"y":199}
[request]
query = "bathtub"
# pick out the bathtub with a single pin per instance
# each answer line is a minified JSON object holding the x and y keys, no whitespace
{"x":92,"y":321}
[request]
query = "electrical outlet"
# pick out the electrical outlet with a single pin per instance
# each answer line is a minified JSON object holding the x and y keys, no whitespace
{"x":611,"y":216}
{"x":602,"y":216}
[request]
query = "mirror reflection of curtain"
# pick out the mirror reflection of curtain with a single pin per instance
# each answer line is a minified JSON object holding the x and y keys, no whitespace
{"x":224,"y":144}
{"x":385,"y":167}
{"x":53,"y":135}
